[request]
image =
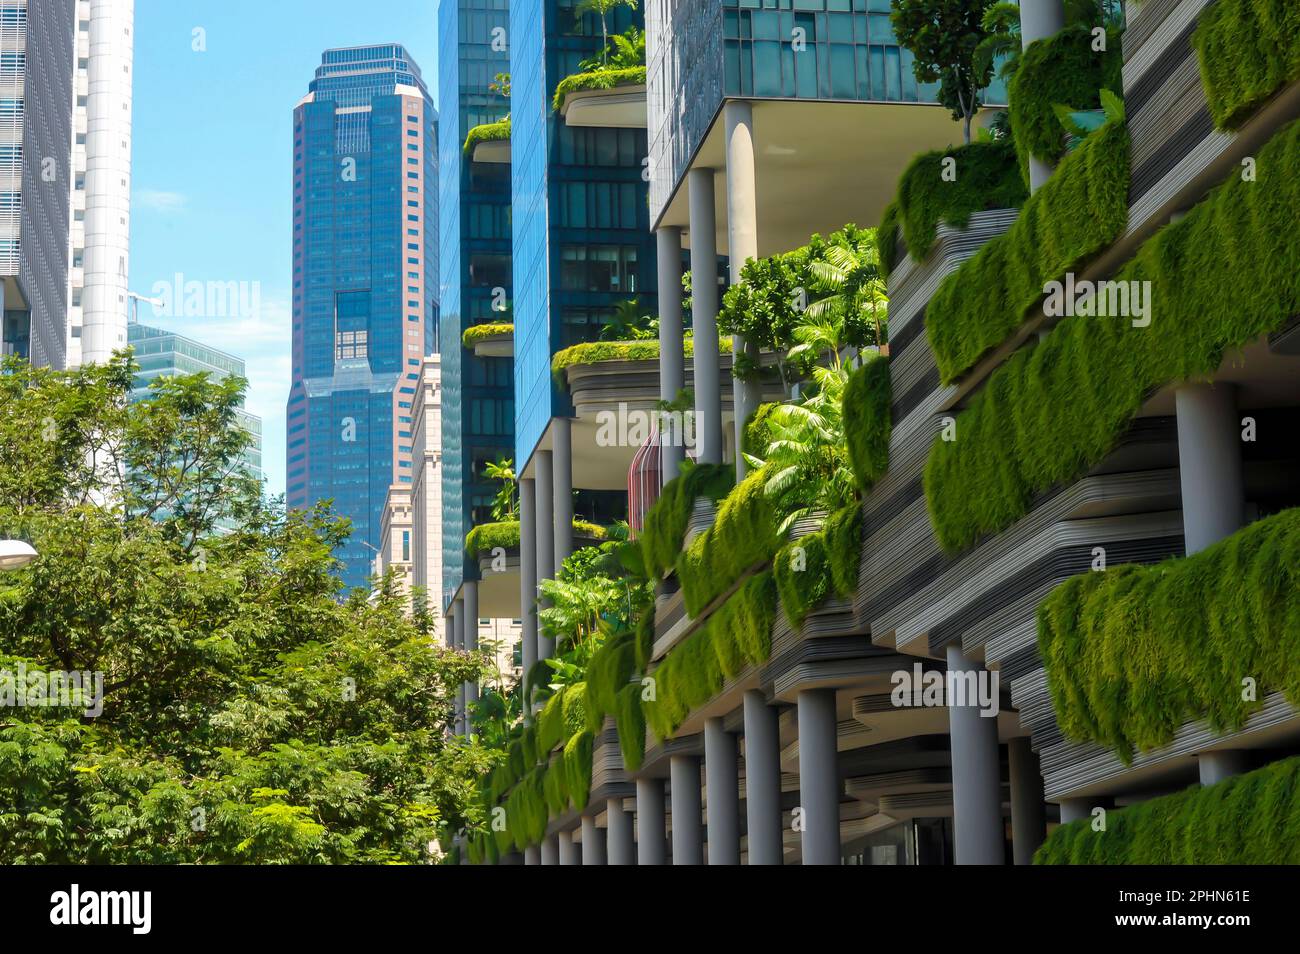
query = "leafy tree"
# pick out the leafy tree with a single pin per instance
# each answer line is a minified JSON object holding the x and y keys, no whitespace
{"x":629,"y":323}
{"x":943,"y":36}
{"x":501,"y":85}
{"x":846,"y":272}
{"x":626,"y":50}
{"x":602,"y":9}
{"x":251,"y":712}
{"x":505,"y":505}
{"x":1002,"y":23}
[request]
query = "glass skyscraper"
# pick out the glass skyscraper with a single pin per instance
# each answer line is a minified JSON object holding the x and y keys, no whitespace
{"x":159,"y":353}
{"x":582,"y":239}
{"x":365,"y":268}
{"x":478,"y":414}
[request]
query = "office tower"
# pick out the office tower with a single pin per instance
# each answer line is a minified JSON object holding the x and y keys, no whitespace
{"x":478,"y":408}
{"x":101,"y":210}
{"x":159,"y":353}
{"x":364,"y":303}
{"x":36,"y":112}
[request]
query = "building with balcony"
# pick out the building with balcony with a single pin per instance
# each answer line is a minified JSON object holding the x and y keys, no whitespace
{"x":1050,"y":623}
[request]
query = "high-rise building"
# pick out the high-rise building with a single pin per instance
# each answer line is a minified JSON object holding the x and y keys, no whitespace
{"x":365,"y":266}
{"x":101,"y":180}
{"x":478,"y":413}
{"x":159,"y":353}
{"x":36,"y":131}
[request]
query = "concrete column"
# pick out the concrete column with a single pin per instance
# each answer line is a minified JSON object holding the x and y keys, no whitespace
{"x":742,"y":245}
{"x":1073,"y":809}
{"x":819,"y":777}
{"x":672,"y":375}
{"x":551,"y":850}
{"x":1209,"y":463}
{"x":1039,"y":19}
{"x":762,"y":780}
{"x":528,"y":576}
{"x":533,"y":855}
{"x":1217,"y":766}
{"x":976,"y":773}
{"x":688,"y":834}
{"x":562,"y":488}
{"x":593,"y":842}
{"x":704,"y":316}
{"x":723,"y":788}
{"x":1028,"y":811}
{"x":651,"y":833}
{"x":545,"y":513}
{"x":621,"y":838}
{"x":469,"y":594}
{"x":568,"y":850}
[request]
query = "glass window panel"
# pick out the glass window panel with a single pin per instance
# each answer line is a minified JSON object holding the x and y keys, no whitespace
{"x":767,"y":69}
{"x":842,"y":80}
{"x":893,"y":72}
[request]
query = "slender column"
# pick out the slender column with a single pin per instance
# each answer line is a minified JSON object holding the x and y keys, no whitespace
{"x":819,"y":777}
{"x":1217,"y":766}
{"x":533,"y":855}
{"x":469,"y":593}
{"x":551,"y":850}
{"x":1209,"y":463}
{"x":976,"y":771}
{"x":672,"y":376}
{"x":528,"y":576}
{"x":545,"y":507}
{"x":562,"y":488}
{"x":723,"y":788}
{"x":1028,"y":812}
{"x":568,"y":850}
{"x":688,"y":835}
{"x":762,"y":780}
{"x":651,"y":833}
{"x":704,"y":316}
{"x":1073,"y":809}
{"x":742,"y":245}
{"x":621,"y":838}
{"x":593,"y":842}
{"x":1039,"y":19}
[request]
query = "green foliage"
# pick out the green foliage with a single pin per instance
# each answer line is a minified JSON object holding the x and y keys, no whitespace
{"x":597,"y":79}
{"x":645,"y":640}
{"x":505,"y":505}
{"x":943,"y":36}
{"x":1061,"y":69}
{"x":630,"y":720}
{"x":987,"y":177}
{"x":666,"y":522}
{"x":887,"y":238}
{"x":1081,"y":210}
{"x":1221,"y":277}
{"x":229,"y":731}
{"x":868,"y":420}
{"x":630,"y":323}
{"x":811,"y":568}
{"x":477,"y":333}
{"x":1248,"y":50}
{"x":737,"y":634}
{"x":743,"y":535}
{"x":487,"y":132}
{"x":1188,"y":630}
{"x":594,"y":352}
{"x":1250,"y":819}
{"x":486,"y":537}
{"x":577,"y":768}
{"x":607,"y":674}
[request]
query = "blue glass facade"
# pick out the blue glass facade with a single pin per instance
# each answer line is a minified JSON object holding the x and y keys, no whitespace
{"x":474,"y":198}
{"x":364,"y":285}
{"x":582,"y":240}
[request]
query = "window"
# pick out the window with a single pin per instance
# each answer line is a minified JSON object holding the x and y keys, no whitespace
{"x":349,"y":345}
{"x":599,"y":268}
{"x":406,"y":545}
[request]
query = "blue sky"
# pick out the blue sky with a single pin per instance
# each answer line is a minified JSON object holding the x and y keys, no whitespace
{"x":212,"y":176}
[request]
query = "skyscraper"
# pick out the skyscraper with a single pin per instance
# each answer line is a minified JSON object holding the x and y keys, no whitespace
{"x":365,"y":268}
{"x":478,"y":407}
{"x":36,"y":129}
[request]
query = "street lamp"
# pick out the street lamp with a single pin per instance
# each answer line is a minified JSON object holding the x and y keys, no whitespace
{"x":14,"y":554}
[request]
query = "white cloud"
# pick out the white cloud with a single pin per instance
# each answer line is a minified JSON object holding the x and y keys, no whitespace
{"x":161,"y":201}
